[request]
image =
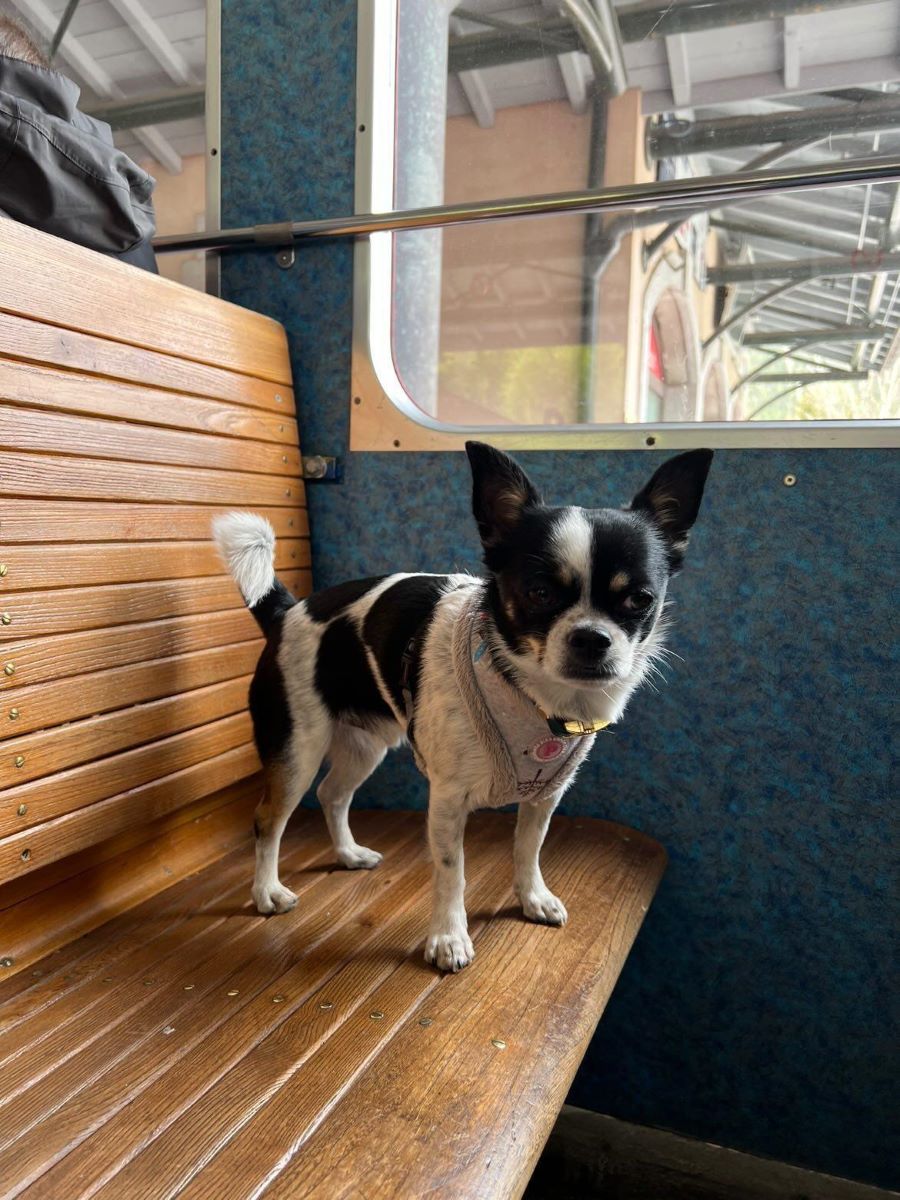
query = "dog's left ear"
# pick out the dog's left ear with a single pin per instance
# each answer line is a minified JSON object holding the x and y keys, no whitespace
{"x":672,"y":499}
{"x":501,"y":491}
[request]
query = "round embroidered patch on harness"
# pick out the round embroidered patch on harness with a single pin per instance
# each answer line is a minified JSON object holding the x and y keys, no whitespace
{"x":547,"y":750}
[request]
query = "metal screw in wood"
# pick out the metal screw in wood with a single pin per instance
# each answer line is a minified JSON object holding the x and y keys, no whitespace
{"x":5,"y":619}
{"x":278,"y":999}
{"x":19,"y":760}
{"x":376,"y":1015}
{"x":14,"y":714}
{"x":169,"y":1029}
{"x":21,"y":810}
{"x":326,"y":1005}
{"x":3,"y":569}
{"x":234,"y":992}
{"x":6,"y":961}
{"x":25,"y":855}
{"x":9,"y":668}
{"x":499,"y":1043}
{"x":425,"y":1022}
{"x":188,"y":987}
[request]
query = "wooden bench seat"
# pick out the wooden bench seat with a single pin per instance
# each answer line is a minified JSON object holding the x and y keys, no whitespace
{"x":192,"y":1048}
{"x":158,"y":1038}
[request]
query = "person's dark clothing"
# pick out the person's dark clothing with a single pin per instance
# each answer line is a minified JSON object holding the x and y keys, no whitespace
{"x":60,"y":171}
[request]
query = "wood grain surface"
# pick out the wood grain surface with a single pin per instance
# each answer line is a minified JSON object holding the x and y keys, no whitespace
{"x":190,"y":1048}
{"x":94,"y":294}
{"x":49,"y":345}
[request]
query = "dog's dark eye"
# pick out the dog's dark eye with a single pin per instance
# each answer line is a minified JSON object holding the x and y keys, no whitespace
{"x":638,"y":601}
{"x":539,"y":594}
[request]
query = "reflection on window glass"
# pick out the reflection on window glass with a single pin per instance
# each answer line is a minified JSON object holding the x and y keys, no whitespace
{"x":141,"y":68}
{"x":780,"y":308}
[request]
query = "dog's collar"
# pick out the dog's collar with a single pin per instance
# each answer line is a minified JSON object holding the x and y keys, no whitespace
{"x":561,"y":727}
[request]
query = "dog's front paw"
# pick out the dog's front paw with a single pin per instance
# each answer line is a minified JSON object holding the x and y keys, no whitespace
{"x":274,"y":899}
{"x":544,"y":907}
{"x":449,"y":951}
{"x":356,"y":858}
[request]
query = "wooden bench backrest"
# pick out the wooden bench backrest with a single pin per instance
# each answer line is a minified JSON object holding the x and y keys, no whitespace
{"x":132,"y":410}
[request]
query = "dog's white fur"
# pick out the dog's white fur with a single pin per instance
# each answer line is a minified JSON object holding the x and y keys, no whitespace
{"x":247,"y":543}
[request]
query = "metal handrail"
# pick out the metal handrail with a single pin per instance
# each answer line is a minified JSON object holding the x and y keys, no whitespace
{"x":663,"y":196}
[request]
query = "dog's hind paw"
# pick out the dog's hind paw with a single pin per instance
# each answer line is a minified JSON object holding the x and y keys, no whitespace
{"x":274,"y":899}
{"x":544,"y":908}
{"x":449,"y":951}
{"x":356,"y":858}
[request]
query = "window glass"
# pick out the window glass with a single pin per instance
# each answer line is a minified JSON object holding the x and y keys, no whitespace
{"x":784,"y":307}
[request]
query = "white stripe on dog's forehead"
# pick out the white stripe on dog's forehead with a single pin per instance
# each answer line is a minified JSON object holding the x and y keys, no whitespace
{"x":572,"y":538}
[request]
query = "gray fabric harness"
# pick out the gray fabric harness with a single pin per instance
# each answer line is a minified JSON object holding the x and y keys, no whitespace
{"x":529,"y":760}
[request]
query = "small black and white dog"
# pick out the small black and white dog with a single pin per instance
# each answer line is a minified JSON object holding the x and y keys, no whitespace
{"x":499,"y":684}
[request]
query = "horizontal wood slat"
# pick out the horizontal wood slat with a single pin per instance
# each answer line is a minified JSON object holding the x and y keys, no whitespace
{"x":50,"y":432}
{"x":73,"y":789}
{"x":47,"y":704}
{"x":35,"y":755}
{"x":31,"y":340}
{"x":30,"y":567}
{"x":174,"y":846}
{"x":62,"y":391}
{"x":65,"y":610}
{"x":34,"y":848}
{"x":53,"y":475}
{"x":101,"y":296}
{"x":99,"y":649}
{"x":48,"y":521}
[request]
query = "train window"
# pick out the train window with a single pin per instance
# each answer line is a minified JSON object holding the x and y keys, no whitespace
{"x":782,"y":307}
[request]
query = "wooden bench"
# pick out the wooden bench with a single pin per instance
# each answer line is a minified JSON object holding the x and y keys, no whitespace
{"x":159,"y":1038}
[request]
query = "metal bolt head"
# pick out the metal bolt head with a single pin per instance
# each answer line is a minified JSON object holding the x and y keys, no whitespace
{"x":278,"y":999}
{"x":21,"y":810}
{"x":234,"y":992}
{"x":3,"y":569}
{"x":377,"y":1015}
{"x":499,"y":1043}
{"x":169,"y":1029}
{"x":326,"y":1005}
{"x":790,"y":480}
{"x":5,"y":619}
{"x":25,"y":855}
{"x":188,"y":987}
{"x":425,"y":1022}
{"x":19,"y":760}
{"x":9,"y":668}
{"x":14,"y":714}
{"x":6,"y":961}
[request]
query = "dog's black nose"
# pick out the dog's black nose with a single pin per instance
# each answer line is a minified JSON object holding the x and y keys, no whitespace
{"x":589,"y":644}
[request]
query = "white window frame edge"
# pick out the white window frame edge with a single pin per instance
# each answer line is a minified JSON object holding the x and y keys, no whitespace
{"x":383,"y":416}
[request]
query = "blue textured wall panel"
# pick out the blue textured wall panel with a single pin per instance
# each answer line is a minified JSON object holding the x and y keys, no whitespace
{"x":756,"y":1009}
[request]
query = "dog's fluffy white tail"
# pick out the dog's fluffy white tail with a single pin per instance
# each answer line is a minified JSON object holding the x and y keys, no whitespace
{"x":246,"y":542}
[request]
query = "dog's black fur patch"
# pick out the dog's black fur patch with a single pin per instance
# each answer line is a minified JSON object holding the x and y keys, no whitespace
{"x":399,"y":615}
{"x":269,"y":709}
{"x":328,"y":603}
{"x":343,"y":678}
{"x":273,"y":606}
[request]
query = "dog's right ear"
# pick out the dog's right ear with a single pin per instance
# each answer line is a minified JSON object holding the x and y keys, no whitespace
{"x":501,"y":491}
